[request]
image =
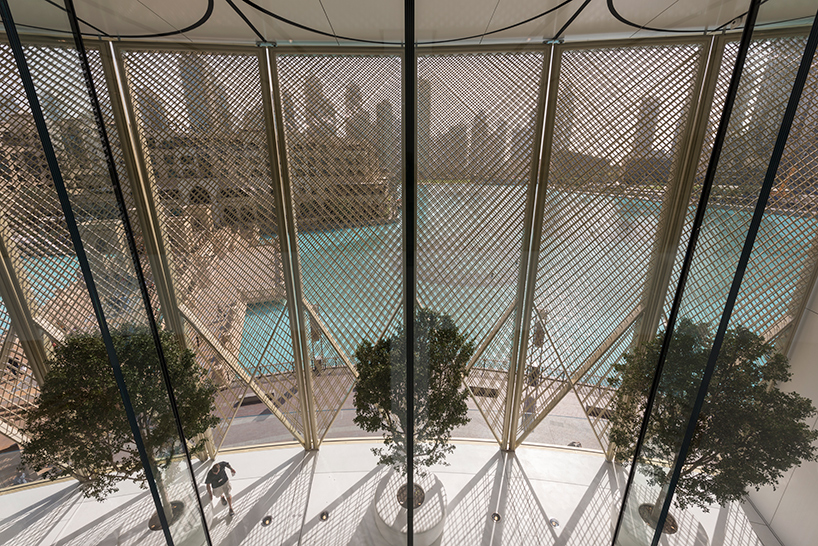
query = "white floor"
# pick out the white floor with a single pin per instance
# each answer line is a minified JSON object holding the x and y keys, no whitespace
{"x":577,"y":488}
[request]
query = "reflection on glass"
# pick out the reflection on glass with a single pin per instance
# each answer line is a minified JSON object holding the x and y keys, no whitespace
{"x":99,"y":445}
{"x":79,"y":426}
{"x":744,"y":417}
{"x":441,"y":355}
{"x":744,"y":410}
{"x":264,"y":190}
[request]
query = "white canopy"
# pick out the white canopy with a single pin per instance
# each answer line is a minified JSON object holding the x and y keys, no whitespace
{"x":440,"y":21}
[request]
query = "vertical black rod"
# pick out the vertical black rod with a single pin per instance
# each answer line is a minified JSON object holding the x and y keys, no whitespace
{"x":746,"y":251}
{"x":129,"y":236}
{"x":410,"y":169}
{"x":70,"y":220}
{"x":707,"y":186}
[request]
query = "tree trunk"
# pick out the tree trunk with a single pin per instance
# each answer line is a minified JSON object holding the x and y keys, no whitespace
{"x":163,"y":494}
{"x":657,"y":506}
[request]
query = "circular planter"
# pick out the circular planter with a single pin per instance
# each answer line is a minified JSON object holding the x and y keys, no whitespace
{"x":177,"y":509}
{"x":429,"y":517}
{"x":636,"y":530}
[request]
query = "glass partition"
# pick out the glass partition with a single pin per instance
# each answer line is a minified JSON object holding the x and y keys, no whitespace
{"x":264,"y":188}
{"x":745,"y":371}
{"x":87,"y":424}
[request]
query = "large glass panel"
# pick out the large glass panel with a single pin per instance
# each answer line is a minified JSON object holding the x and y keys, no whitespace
{"x":202,"y":136}
{"x":80,"y":424}
{"x":774,"y":284}
{"x":342,"y":121}
{"x":617,"y":166}
{"x":476,"y":123}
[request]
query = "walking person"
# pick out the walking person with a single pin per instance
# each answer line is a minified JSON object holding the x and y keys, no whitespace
{"x":218,"y":479}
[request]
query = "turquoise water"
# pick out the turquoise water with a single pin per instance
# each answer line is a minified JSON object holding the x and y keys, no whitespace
{"x":47,"y":274}
{"x":591,"y":271}
{"x":276,"y":354}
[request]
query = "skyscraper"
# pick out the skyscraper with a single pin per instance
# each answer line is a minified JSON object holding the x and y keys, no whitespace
{"x":424,"y":127}
{"x":319,"y":112}
{"x":453,"y":148}
{"x":645,"y":130}
{"x":479,"y":145}
{"x":358,"y":121}
{"x":387,"y":140}
{"x":151,"y":111}
{"x":205,"y":98}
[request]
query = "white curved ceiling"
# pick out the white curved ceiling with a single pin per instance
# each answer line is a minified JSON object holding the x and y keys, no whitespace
{"x":442,"y":21}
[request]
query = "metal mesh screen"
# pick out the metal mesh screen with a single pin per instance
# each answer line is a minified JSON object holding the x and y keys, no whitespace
{"x":231,"y":390}
{"x":332,"y":380}
{"x":82,"y":164}
{"x":476,"y":117}
{"x":18,"y":388}
{"x":201,"y":126}
{"x":97,"y":72}
{"x":785,"y":252}
{"x":615,"y":150}
{"x":274,"y":362}
{"x":487,"y":380}
{"x":719,"y":95}
{"x":32,"y":226}
{"x":342,"y":124}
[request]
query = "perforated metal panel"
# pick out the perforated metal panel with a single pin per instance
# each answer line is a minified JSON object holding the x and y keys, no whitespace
{"x":476,"y":118}
{"x":341,"y":116}
{"x":71,"y":124}
{"x":231,"y":389}
{"x":18,"y":388}
{"x":615,"y":150}
{"x":785,"y":255}
{"x":722,"y":82}
{"x":202,"y":132}
{"x":33,"y":227}
{"x":487,"y":380}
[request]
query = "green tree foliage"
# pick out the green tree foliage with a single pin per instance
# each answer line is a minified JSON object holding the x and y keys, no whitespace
{"x":748,"y":433}
{"x":441,"y":355}
{"x":79,"y":426}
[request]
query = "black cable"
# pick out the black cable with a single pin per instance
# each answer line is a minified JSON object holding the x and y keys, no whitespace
{"x":613,"y":11}
{"x":707,"y":185}
{"x":561,"y":31}
{"x":83,"y":21}
{"x":202,"y":20}
{"x":744,"y":259}
{"x":433,"y":42}
{"x":310,"y":29}
{"x":129,"y":236}
{"x":246,"y":20}
{"x":410,"y":160}
{"x":509,"y":27}
{"x":79,"y":249}
{"x":209,"y":12}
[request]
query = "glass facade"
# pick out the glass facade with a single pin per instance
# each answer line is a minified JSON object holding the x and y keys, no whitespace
{"x":204,"y":252}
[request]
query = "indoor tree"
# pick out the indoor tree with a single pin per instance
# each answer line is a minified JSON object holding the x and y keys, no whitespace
{"x":441,"y":355}
{"x":79,"y":427}
{"x":748,"y":433}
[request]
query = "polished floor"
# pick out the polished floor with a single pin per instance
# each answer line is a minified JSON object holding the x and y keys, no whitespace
{"x":545,"y":495}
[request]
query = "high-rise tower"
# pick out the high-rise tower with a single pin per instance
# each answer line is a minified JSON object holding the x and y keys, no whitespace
{"x":424,"y":127}
{"x":387,"y":139}
{"x":205,"y":98}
